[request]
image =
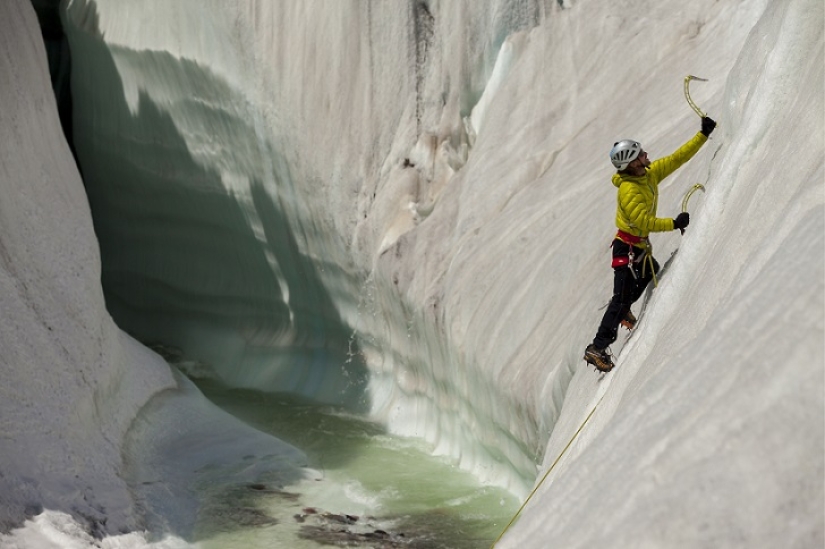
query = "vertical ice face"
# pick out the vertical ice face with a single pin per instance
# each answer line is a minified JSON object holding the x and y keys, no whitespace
{"x":85,"y":410}
{"x":71,"y":380}
{"x":188,"y":190}
{"x":247,"y":173}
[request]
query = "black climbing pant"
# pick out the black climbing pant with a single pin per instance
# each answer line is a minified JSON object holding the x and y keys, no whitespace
{"x":629,"y":282}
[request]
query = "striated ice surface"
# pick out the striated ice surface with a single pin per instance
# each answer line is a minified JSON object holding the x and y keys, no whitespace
{"x":407,"y":211}
{"x":77,"y":391}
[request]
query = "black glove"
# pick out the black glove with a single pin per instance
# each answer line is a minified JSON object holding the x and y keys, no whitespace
{"x":708,"y":125}
{"x":682,"y":220}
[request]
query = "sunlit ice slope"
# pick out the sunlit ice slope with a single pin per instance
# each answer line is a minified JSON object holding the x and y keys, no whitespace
{"x":408,"y":211}
{"x":710,"y":430}
{"x":85,"y":410}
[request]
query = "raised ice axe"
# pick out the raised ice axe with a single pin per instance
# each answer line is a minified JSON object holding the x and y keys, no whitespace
{"x":693,"y":105}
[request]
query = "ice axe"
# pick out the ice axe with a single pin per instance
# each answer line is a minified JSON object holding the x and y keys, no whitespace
{"x":686,"y":198}
{"x":693,"y":105}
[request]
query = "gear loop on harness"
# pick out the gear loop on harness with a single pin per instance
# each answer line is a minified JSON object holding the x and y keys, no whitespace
{"x":646,"y":258}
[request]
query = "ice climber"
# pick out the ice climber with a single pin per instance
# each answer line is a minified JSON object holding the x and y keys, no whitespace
{"x":638,"y":181}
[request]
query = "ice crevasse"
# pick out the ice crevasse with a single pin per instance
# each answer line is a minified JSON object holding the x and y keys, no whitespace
{"x":405,"y":209}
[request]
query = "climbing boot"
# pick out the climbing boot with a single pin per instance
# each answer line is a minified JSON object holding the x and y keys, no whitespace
{"x":600,"y":358}
{"x":629,"y":320}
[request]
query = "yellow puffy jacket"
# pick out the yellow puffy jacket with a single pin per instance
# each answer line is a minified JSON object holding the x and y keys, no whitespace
{"x":639,"y":195}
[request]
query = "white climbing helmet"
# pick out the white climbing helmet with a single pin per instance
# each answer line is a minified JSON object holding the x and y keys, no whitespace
{"x":624,"y":152}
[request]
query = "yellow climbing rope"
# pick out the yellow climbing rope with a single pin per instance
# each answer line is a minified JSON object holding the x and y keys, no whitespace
{"x":648,"y":260}
{"x":546,"y":474}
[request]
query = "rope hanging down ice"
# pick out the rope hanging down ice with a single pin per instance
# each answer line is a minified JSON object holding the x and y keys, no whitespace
{"x":546,"y":474}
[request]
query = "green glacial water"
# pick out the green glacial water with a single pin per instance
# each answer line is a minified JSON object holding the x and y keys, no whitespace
{"x":367,"y":488}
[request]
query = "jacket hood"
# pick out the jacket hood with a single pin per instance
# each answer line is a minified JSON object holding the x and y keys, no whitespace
{"x":618,"y":178}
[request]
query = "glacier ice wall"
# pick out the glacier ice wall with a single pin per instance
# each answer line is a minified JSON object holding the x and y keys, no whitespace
{"x":273,"y":194}
{"x":220,"y":270}
{"x":71,"y":380}
{"x":85,"y":410}
{"x":421,"y":196}
{"x":711,"y":430}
